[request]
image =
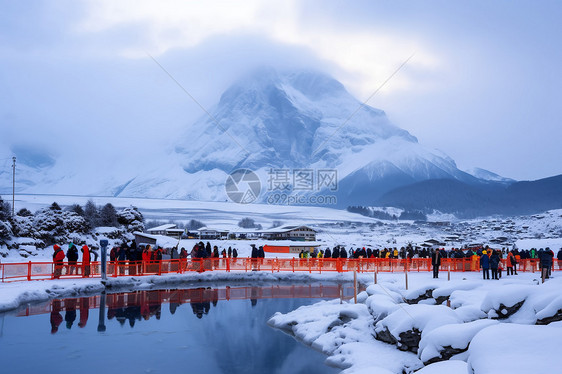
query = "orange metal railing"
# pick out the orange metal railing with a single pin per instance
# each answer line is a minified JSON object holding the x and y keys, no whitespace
{"x":46,"y":270}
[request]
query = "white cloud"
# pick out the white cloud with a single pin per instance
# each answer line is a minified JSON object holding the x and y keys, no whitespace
{"x":364,"y":57}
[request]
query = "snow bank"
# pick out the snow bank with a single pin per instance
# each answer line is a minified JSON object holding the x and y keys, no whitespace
{"x":514,"y":348}
{"x":445,"y":367}
{"x":12,"y":295}
{"x":446,"y":341}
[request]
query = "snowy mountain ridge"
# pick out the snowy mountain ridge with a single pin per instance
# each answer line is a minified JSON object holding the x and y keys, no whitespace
{"x":298,"y":119}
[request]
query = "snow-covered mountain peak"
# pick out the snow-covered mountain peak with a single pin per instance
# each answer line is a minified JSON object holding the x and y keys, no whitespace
{"x":284,"y":119}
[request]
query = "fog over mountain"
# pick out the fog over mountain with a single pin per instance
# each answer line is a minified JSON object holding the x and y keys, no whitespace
{"x":268,"y":121}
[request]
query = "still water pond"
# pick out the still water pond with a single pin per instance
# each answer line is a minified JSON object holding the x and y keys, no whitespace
{"x":198,"y":330}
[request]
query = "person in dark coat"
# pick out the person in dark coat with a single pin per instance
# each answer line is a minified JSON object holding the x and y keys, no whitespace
{"x":343,"y":253}
{"x":494,"y":262}
{"x":131,"y":254}
{"x":234,"y":253}
{"x":485,"y":265}
{"x":254,"y":255}
{"x":229,"y":252}
{"x":436,"y":262}
{"x":121,"y":256}
{"x":546,"y":257}
{"x":215,"y":252}
{"x":328,"y":253}
{"x":261,"y":253}
{"x":336,"y":252}
{"x":254,"y":251}
{"x":72,"y":256}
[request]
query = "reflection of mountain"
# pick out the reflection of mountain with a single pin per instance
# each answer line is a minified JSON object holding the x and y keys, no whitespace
{"x":252,"y":346}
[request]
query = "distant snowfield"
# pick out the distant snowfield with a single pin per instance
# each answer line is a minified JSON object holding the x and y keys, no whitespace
{"x":220,"y":214}
{"x":335,"y":226}
{"x":469,"y":330}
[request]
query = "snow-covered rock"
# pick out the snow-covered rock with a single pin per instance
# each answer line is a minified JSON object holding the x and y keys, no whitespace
{"x":505,"y":301}
{"x":406,"y":326}
{"x":445,"y":367}
{"x":514,"y":348}
{"x":446,"y":341}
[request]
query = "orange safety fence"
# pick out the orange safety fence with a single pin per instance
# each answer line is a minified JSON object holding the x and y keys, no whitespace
{"x":46,"y":270}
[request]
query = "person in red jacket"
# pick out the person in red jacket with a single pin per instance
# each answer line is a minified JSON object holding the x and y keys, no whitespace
{"x":58,"y":258}
{"x":85,"y":261}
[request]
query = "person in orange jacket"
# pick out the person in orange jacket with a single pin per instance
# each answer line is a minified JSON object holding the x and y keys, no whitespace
{"x":85,"y":261}
{"x":58,"y":258}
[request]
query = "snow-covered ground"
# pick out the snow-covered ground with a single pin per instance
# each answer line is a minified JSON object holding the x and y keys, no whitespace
{"x":465,"y":325}
{"x":490,"y":326}
{"x":336,"y":227}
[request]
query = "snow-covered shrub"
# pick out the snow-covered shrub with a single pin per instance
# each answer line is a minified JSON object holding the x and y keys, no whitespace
{"x":5,"y":232}
{"x":54,"y":226}
{"x":22,"y":226}
{"x":131,"y":218}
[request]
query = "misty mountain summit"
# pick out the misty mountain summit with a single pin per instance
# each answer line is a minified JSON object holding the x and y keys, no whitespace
{"x":268,"y":119}
{"x":307,"y":119}
{"x":284,"y":120}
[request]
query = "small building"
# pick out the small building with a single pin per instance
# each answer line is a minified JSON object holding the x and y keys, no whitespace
{"x":164,"y":241}
{"x":210,"y":233}
{"x":168,"y":230}
{"x":298,"y":233}
{"x":161,"y":230}
{"x":142,"y":238}
{"x":291,"y":248}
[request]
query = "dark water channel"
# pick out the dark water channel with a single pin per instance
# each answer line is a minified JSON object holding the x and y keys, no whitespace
{"x":198,"y":330}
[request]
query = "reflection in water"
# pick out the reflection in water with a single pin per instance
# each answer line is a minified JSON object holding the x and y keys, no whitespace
{"x":142,"y":305}
{"x":211,"y":330}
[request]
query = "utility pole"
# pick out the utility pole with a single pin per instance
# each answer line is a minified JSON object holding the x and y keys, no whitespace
{"x":14,"y":186}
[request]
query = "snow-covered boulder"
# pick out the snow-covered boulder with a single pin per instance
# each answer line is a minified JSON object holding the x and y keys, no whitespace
{"x":443,"y":292}
{"x":405,"y":326}
{"x":514,"y":348}
{"x":382,"y":301}
{"x":551,"y":313}
{"x":445,"y":367}
{"x":446,"y":341}
{"x":418,"y":294}
{"x":502,"y":302}
{"x":313,"y":324}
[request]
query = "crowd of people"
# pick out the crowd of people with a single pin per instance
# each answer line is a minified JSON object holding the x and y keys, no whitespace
{"x":488,"y":259}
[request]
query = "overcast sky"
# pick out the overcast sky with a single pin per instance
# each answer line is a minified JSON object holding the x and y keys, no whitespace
{"x":483,"y":85}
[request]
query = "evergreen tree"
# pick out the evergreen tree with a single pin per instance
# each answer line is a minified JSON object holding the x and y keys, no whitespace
{"x":76,"y":208}
{"x":5,"y":210}
{"x":194,"y":224}
{"x":91,"y":214}
{"x":108,"y":216}
{"x":24,"y":212}
{"x":55,"y":206}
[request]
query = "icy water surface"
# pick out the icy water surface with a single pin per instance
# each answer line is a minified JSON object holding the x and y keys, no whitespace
{"x":201,"y":330}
